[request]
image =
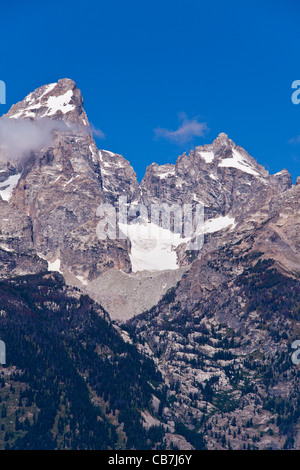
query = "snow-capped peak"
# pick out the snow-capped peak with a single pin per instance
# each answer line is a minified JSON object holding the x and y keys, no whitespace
{"x":61,"y":100}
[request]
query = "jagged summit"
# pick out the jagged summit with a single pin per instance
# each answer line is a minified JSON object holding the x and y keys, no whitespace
{"x":223,"y":137}
{"x":60,"y":101}
{"x":212,"y":319}
{"x":62,"y":183}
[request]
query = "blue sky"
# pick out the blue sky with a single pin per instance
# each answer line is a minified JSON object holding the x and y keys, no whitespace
{"x":159,"y":77}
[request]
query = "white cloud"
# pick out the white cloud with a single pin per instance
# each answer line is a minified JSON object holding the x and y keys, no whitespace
{"x":188,"y":129}
{"x":19,"y":137}
{"x":97,"y":132}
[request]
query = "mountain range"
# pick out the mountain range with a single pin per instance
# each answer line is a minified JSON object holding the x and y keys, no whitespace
{"x":165,"y":347}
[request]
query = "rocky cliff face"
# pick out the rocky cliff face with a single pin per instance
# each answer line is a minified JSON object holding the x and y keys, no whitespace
{"x":61,"y":185}
{"x":17,"y":253}
{"x":223,"y":334}
{"x":223,"y":176}
{"x":222,"y":319}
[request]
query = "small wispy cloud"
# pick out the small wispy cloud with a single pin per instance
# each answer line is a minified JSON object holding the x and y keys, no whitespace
{"x":97,"y":132}
{"x":295,"y":140}
{"x":19,"y":137}
{"x":188,"y":129}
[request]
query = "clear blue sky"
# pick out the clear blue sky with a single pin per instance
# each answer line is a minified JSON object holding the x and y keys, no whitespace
{"x":227,"y":65}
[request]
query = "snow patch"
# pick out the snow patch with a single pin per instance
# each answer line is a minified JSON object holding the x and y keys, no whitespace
{"x":109,"y":153}
{"x":152,"y":247}
{"x":94,"y":154}
{"x":60,"y":103}
{"x":8,"y":187}
{"x":47,"y":90}
{"x":54,"y":266}
{"x":217,"y":224}
{"x":164,"y":174}
{"x":207,"y":156}
{"x":238,"y":161}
